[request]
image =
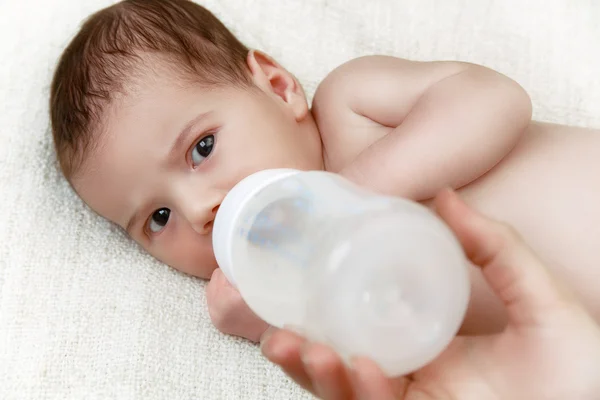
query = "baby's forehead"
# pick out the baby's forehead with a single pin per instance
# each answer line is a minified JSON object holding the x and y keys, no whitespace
{"x":157,"y":88}
{"x":146,"y":84}
{"x":154,"y":90}
{"x":157,"y":104}
{"x":151,"y":71}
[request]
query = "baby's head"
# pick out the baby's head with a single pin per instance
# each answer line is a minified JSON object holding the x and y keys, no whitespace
{"x":158,"y":111}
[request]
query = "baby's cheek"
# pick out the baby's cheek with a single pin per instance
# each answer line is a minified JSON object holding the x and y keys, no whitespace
{"x":190,"y":254}
{"x":193,"y":257}
{"x":202,"y":269}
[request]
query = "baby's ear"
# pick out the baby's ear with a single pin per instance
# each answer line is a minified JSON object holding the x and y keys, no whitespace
{"x":273,"y":78}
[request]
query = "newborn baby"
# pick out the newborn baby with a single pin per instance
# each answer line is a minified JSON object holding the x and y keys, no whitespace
{"x":158,"y":111}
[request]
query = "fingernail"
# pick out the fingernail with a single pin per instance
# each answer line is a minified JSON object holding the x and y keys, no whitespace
{"x":264,"y":338}
{"x":309,"y":362}
{"x":356,"y":379}
{"x":296,"y":329}
{"x":352,"y":367}
{"x":304,"y":357}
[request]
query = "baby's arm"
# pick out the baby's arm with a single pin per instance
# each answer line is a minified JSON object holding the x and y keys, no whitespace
{"x":450,"y":122}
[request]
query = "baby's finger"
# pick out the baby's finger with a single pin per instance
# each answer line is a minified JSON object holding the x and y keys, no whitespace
{"x":283,"y":348}
{"x":329,"y":376}
{"x":214,"y":288}
{"x":219,"y":277}
{"x":512,"y":270}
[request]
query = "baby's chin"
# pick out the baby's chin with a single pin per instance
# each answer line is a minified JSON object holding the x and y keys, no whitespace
{"x":206,"y":273}
{"x":203,"y":269}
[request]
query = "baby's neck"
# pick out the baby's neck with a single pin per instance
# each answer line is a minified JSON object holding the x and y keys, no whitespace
{"x":314,"y":143}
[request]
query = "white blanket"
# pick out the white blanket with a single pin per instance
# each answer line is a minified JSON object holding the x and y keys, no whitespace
{"x":84,"y":313}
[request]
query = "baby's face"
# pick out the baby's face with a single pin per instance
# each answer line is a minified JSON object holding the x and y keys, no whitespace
{"x":171,"y":152}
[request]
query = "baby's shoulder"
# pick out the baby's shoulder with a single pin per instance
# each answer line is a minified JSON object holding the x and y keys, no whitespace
{"x":370,"y":83}
{"x":337,"y":109}
{"x":346,"y":81}
{"x":337,"y":95}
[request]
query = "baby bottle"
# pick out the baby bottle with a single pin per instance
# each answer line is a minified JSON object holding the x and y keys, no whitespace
{"x":374,"y":276}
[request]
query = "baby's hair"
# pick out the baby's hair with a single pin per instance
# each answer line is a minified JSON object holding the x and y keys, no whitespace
{"x":102,"y":59}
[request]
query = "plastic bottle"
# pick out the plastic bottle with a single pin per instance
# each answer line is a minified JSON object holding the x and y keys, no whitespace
{"x":368,"y":275}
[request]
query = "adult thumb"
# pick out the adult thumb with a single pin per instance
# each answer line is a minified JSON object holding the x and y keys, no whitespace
{"x":515,"y":274}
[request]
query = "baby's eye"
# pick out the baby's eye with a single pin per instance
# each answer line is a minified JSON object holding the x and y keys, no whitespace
{"x":159,"y":220}
{"x":203,"y":149}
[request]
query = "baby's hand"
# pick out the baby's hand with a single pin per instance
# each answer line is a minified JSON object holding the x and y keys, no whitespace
{"x":229,"y":312}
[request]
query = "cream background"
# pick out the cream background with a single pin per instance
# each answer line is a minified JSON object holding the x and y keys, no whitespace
{"x":85,"y":314}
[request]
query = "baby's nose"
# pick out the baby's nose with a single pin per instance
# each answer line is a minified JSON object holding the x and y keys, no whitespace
{"x":204,"y":221}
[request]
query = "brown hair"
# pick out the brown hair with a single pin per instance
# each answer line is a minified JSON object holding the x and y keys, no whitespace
{"x":101,"y":58}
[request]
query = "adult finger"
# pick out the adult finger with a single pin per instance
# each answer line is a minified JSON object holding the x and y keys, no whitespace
{"x":283,"y":348}
{"x":369,"y":382}
{"x":328,"y":373}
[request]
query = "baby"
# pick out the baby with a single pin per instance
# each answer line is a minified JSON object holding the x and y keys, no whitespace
{"x":158,"y":111}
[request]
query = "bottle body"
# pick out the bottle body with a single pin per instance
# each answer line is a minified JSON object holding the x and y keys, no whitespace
{"x":369,"y":275}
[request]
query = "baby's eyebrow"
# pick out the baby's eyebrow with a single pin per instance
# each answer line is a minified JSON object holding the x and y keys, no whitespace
{"x":187,"y":130}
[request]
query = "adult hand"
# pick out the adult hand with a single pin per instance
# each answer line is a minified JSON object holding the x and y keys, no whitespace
{"x":550,"y":348}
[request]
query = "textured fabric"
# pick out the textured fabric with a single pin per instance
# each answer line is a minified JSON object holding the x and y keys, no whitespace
{"x":84,"y":313}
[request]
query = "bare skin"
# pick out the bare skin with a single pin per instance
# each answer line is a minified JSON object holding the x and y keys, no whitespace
{"x":542,"y":182}
{"x":545,"y":189}
{"x":399,"y":127}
